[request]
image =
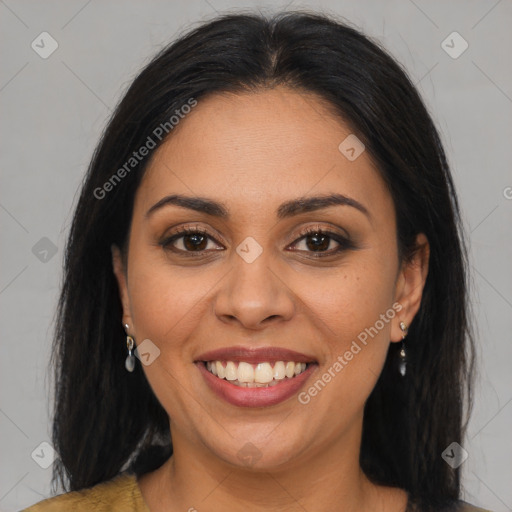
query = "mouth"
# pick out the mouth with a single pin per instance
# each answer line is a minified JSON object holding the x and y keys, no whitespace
{"x":255,"y":377}
{"x":260,"y":375}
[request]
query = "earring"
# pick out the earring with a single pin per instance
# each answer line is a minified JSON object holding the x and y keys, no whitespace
{"x":403,"y":359}
{"x":129,"y":363}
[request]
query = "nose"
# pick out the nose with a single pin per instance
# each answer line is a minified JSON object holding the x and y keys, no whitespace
{"x":253,"y":295}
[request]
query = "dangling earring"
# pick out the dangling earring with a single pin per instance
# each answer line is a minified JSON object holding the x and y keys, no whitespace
{"x":403,"y":359}
{"x":129,"y":363}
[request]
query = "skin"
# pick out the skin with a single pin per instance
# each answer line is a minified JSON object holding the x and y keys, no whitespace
{"x":252,"y":152}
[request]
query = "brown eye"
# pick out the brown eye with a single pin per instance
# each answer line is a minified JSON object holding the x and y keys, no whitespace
{"x":320,"y":242}
{"x":188,"y":241}
{"x":193,"y":242}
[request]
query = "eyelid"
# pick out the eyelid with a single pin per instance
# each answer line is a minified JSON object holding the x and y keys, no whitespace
{"x":330,"y":230}
{"x":342,"y":239}
{"x":191,"y":229}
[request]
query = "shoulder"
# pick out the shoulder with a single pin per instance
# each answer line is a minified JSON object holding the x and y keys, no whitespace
{"x":121,"y":493}
{"x":467,"y":507}
{"x":459,"y":506}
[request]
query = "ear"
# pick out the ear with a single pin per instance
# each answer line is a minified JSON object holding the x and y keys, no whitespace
{"x":120,"y":273}
{"x":409,"y":286}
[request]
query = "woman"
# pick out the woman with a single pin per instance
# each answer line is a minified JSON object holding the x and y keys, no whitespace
{"x":266,"y":266}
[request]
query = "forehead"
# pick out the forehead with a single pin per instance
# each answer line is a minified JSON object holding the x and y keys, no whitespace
{"x":251,"y":149}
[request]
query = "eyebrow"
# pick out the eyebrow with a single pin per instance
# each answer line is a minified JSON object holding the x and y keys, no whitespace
{"x":287,"y":209}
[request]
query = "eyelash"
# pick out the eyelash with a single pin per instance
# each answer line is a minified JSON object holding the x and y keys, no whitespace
{"x":344,"y":243}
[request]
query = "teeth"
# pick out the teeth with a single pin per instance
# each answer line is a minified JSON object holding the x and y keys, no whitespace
{"x":231,"y":371}
{"x":221,"y":373}
{"x":290,"y":370}
{"x":245,"y":372}
{"x":258,"y":375}
{"x":263,"y":373}
{"x":279,"y":370}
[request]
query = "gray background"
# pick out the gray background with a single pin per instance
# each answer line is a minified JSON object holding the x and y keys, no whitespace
{"x":53,"y":111}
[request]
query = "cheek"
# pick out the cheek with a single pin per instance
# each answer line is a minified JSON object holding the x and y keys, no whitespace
{"x":351,"y":298}
{"x":166,"y":304}
{"x":354,"y":310}
{"x":357,"y":319}
{"x":168,"y":307}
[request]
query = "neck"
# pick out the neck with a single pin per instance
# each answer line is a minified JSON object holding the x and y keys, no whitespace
{"x":328,"y":479}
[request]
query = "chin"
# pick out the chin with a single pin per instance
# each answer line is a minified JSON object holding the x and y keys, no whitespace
{"x":257,"y":453}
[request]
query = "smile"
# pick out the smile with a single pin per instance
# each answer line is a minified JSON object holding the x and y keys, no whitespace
{"x":260,"y":375}
{"x":255,"y":377}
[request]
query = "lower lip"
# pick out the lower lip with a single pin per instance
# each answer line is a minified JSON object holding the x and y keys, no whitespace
{"x":255,"y":397}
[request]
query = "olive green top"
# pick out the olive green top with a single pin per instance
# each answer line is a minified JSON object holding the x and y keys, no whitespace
{"x":121,"y":494}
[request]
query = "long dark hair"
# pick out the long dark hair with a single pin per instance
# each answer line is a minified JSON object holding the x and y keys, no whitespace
{"x":107,"y":420}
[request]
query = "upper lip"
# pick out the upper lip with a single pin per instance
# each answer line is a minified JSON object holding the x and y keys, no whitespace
{"x":255,"y":355}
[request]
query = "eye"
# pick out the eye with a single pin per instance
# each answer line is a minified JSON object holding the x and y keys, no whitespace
{"x":319,"y":241}
{"x":188,"y":241}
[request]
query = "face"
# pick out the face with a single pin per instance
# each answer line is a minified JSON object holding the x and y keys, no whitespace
{"x":264,"y":280}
